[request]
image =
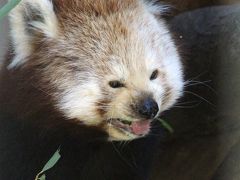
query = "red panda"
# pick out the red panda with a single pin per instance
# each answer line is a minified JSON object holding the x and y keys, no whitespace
{"x":84,"y":74}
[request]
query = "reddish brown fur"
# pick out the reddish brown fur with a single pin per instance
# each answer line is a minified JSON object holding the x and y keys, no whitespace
{"x":91,"y":40}
{"x":25,"y":91}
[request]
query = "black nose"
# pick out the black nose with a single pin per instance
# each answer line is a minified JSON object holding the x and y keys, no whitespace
{"x":148,"y":108}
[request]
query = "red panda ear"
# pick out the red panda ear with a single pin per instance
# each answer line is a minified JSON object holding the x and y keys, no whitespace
{"x":28,"y":20}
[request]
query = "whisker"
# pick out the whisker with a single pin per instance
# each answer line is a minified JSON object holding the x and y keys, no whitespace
{"x":187,"y":107}
{"x":204,"y":83}
{"x":121,"y":156}
{"x":198,"y":76}
{"x":193,"y":83}
{"x":187,"y":102}
{"x":200,"y":97}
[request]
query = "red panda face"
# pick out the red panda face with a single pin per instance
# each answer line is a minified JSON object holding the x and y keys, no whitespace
{"x":109,"y":63}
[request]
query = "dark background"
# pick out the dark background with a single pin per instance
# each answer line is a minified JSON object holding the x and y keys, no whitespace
{"x":205,"y":144}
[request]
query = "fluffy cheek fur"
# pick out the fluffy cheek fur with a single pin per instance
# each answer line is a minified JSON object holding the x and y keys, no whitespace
{"x":79,"y":103}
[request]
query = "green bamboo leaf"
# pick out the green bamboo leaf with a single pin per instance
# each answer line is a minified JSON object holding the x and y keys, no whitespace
{"x":8,"y":7}
{"x":43,"y":177}
{"x":166,"y":125}
{"x":54,"y":159}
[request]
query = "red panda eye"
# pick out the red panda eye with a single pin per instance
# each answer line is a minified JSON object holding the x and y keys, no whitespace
{"x":154,"y":75}
{"x":116,"y":84}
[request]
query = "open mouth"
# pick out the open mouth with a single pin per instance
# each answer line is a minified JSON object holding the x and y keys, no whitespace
{"x":137,"y":128}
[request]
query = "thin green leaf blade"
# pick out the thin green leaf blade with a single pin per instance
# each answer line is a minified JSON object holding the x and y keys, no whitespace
{"x":8,"y":7}
{"x":54,"y":159}
{"x":51,"y":162}
{"x":43,"y":177}
{"x":166,"y":125}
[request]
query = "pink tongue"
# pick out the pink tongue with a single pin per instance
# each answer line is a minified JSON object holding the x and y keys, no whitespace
{"x":140,"y":127}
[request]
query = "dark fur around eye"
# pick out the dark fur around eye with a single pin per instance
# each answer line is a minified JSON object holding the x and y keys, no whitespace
{"x":154,"y":75}
{"x":116,"y":84}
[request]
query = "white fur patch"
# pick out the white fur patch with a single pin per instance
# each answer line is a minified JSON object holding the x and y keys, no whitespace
{"x":21,"y":39}
{"x":80,"y":102}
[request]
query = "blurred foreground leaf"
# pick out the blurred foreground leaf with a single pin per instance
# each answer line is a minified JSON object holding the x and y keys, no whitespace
{"x":54,"y":159}
{"x":8,"y":7}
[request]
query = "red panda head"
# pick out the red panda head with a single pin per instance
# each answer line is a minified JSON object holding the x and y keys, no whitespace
{"x":108,"y":63}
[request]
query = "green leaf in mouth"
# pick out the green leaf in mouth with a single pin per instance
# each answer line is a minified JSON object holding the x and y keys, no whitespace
{"x":166,"y":125}
{"x":126,"y":122}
